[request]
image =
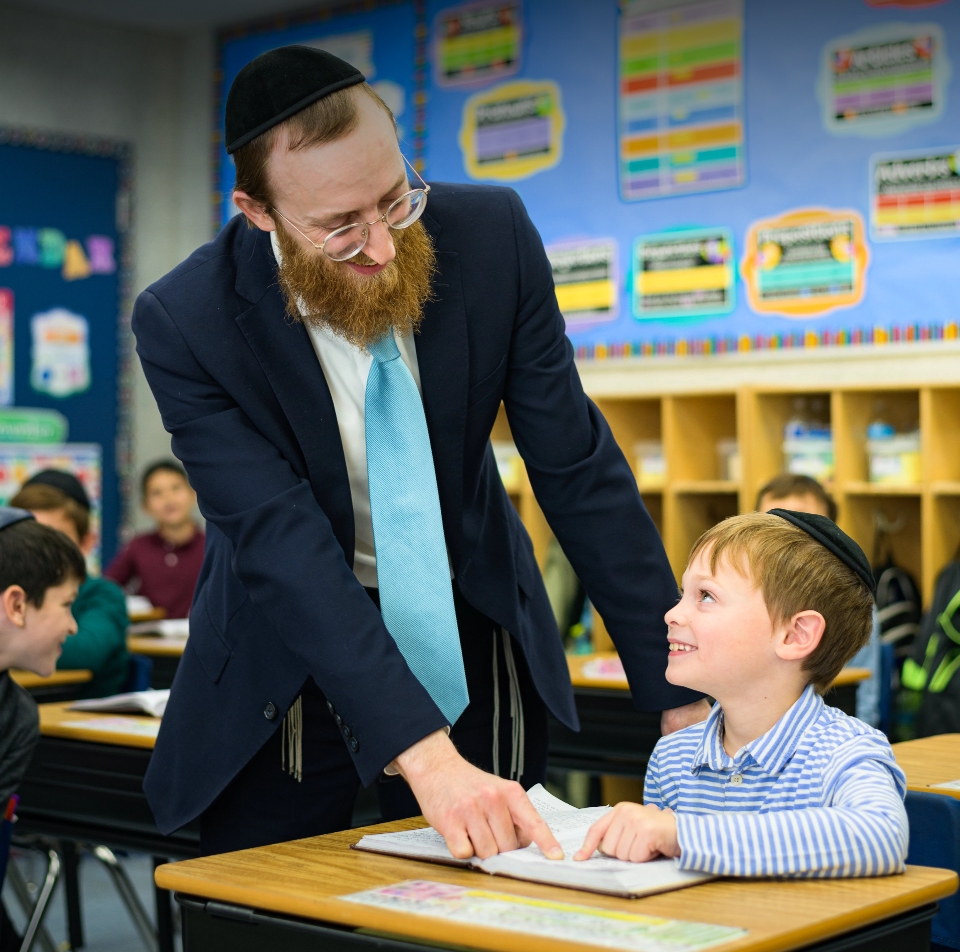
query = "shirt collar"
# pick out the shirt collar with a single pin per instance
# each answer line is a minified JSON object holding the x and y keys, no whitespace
{"x":772,"y":750}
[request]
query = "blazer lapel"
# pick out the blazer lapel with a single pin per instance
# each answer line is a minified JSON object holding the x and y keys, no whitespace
{"x":291,"y":366}
{"x":443,"y":359}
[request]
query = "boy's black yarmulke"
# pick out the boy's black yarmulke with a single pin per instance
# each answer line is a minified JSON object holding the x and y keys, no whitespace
{"x":829,"y":534}
{"x":278,"y":84}
{"x":67,"y":483}
{"x":10,"y":515}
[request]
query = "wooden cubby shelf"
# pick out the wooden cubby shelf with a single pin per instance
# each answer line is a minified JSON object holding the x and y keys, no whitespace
{"x":720,"y":448}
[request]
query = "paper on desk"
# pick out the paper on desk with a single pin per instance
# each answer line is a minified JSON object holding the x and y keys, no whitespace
{"x":152,"y":703}
{"x":946,"y":785}
{"x":164,"y":627}
{"x":569,"y":825}
{"x":608,"y":928}
{"x":119,"y":725}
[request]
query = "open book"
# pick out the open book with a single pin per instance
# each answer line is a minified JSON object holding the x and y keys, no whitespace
{"x":569,"y":825}
{"x":153,"y":703}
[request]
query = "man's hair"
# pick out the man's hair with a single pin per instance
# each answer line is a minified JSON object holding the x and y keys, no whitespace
{"x":326,"y":120}
{"x":38,"y":497}
{"x":793,"y":484}
{"x":161,"y":466}
{"x":36,"y":558}
{"x":795,"y":573}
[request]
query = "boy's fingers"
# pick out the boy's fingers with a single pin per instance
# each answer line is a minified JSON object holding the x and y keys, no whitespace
{"x":594,"y":835}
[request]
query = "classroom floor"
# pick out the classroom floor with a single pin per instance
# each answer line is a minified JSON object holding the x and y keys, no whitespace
{"x":107,"y":924}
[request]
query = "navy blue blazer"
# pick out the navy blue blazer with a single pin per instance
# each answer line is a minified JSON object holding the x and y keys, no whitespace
{"x":242,"y":393}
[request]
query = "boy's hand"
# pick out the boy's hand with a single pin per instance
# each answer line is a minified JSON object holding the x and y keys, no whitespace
{"x":632,"y":832}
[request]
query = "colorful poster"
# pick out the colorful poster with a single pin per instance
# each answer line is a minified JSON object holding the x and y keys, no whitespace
{"x":585,"y":277}
{"x":915,"y":194}
{"x":356,"y":48}
{"x":513,"y":130}
{"x":681,"y":97}
{"x":6,"y":347}
{"x":565,"y":921}
{"x":884,"y":79}
{"x":477,"y":42}
{"x":810,"y":261}
{"x":684,"y":273}
{"x":19,"y":461}
{"x":60,"y":352}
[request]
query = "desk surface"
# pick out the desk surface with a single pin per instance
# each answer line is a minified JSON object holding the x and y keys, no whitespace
{"x":156,"y":646}
{"x":930,"y":760}
{"x":576,"y":664}
{"x":29,"y":681}
{"x":121,"y":730}
{"x":153,"y":614}
{"x":305,"y":877}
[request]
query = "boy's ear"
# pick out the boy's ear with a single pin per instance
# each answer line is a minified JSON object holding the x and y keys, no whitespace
{"x":87,"y":543}
{"x":14,"y":602}
{"x":801,"y":636}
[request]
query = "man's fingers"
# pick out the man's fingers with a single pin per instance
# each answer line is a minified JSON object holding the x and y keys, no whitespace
{"x":457,"y":840}
{"x":532,"y":825}
{"x":500,"y":820}
{"x":484,"y":842}
{"x":594,"y":835}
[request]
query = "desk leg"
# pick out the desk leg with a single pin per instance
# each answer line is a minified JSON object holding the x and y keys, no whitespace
{"x":164,"y":912}
{"x":71,"y":888}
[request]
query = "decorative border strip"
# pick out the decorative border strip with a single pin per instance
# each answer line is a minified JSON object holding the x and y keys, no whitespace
{"x":744,"y":343}
{"x":322,"y":15}
{"x":123,"y":153}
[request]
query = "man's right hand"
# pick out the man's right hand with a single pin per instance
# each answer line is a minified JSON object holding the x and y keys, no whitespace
{"x":474,"y":811}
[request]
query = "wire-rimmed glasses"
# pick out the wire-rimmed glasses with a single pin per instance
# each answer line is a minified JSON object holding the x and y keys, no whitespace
{"x":349,"y":240}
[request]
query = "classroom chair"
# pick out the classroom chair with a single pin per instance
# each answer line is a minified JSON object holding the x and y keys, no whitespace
{"x":38,"y":910}
{"x":935,"y":841}
{"x":886,"y":687}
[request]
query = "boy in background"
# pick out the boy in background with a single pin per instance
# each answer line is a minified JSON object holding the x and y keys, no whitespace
{"x":774,"y":782}
{"x":165,"y":563}
{"x":40,"y":572}
{"x":804,"y":494}
{"x":58,"y":499}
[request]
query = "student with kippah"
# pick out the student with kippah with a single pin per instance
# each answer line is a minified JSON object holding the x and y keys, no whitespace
{"x":58,"y":499}
{"x":163,"y":565}
{"x":369,"y":610}
{"x":774,"y":782}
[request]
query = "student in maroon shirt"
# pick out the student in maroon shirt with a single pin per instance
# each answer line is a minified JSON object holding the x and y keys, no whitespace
{"x":165,"y":563}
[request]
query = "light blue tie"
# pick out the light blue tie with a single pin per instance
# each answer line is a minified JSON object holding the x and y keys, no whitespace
{"x":413,"y":574}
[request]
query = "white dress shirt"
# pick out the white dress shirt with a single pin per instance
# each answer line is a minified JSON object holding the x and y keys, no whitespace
{"x":346,"y":368}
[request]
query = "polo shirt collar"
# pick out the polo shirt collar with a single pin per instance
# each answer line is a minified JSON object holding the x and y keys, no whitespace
{"x":772,"y":750}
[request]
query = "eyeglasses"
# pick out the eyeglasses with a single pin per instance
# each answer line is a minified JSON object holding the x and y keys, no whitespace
{"x":349,"y":240}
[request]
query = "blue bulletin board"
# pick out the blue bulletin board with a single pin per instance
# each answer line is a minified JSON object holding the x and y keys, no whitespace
{"x":63,"y":321}
{"x":708,"y":176}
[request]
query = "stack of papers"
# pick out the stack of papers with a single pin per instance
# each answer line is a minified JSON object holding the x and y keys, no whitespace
{"x":153,"y":703}
{"x":569,"y":825}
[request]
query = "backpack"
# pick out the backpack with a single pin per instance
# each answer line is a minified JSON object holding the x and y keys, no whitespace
{"x":929,"y":698}
{"x":898,"y":608}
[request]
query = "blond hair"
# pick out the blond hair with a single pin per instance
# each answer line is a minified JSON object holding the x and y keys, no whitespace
{"x":795,"y":573}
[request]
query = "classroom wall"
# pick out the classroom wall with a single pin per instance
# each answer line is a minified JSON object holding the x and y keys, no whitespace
{"x":77,"y":76}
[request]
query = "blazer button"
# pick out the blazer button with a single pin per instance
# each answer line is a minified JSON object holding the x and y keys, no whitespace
{"x":345,"y":731}
{"x":338,"y":720}
{"x":354,"y":744}
{"x":270,"y":711}
{"x":331,"y":708}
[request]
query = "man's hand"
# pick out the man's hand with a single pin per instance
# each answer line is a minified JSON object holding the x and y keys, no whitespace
{"x":678,"y":718}
{"x":475,"y":812}
{"x":632,"y":832}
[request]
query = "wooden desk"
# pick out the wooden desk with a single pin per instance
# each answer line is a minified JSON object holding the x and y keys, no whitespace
{"x":286,"y":897}
{"x":165,"y":652}
{"x":617,"y":739}
{"x":929,"y":761}
{"x":154,"y":614}
{"x":85,"y":784}
{"x":59,"y":686}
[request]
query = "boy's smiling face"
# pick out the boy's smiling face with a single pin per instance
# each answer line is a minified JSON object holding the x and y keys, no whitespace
{"x":33,"y":636}
{"x":722,"y":641}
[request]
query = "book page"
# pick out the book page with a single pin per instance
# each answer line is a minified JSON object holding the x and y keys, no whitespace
{"x":150,"y":702}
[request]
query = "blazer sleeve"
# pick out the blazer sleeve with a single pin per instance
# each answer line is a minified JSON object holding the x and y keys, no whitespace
{"x":285,"y":553}
{"x":583,"y":483}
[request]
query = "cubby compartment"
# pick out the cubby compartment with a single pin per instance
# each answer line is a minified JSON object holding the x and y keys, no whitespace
{"x":688,"y":516}
{"x":636,"y":426}
{"x":654,"y":503}
{"x":942,"y":536}
{"x":886,"y":526}
{"x":696,"y":430}
{"x":940,"y":437}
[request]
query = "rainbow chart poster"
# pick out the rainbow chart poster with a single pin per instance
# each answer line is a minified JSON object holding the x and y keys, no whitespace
{"x":477,"y":42}
{"x":915,"y":194}
{"x":680,"y":97}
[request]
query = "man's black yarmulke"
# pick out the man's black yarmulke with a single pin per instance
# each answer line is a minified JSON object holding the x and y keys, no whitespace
{"x":10,"y":515}
{"x":829,"y":534}
{"x":278,"y":84}
{"x":67,"y":483}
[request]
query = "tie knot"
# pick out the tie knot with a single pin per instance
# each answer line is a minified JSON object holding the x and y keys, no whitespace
{"x":384,"y":349}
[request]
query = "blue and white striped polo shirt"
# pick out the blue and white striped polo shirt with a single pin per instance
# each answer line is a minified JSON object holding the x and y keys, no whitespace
{"x":819,"y":794}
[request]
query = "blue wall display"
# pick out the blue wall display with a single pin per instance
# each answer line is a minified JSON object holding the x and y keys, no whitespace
{"x":61,"y":290}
